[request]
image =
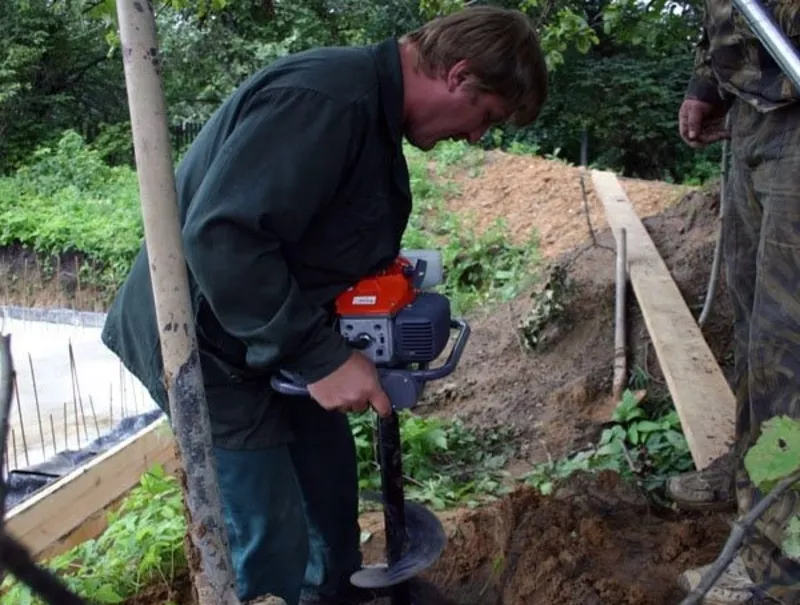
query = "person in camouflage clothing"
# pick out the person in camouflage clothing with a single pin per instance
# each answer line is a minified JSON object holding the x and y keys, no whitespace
{"x":736,"y":80}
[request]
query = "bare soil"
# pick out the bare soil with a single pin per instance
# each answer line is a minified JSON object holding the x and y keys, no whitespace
{"x":556,"y":398}
{"x":537,"y":196}
{"x":595,"y":541}
{"x":58,"y":282}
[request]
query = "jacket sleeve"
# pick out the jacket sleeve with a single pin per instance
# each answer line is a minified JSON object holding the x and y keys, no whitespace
{"x":703,"y":83}
{"x":279,"y":167}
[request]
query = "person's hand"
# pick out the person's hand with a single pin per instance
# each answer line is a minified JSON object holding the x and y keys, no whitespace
{"x":352,"y":388}
{"x":701,"y":123}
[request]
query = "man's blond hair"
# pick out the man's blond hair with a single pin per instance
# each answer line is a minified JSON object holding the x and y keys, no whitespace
{"x":501,"y":48}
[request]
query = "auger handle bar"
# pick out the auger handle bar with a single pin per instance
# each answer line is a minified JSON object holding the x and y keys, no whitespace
{"x":402,"y":385}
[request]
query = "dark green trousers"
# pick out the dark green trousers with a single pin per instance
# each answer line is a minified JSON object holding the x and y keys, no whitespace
{"x":762,"y":255}
{"x":291,"y":510}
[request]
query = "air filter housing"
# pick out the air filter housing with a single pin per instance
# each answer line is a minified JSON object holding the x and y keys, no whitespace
{"x":422,"y":329}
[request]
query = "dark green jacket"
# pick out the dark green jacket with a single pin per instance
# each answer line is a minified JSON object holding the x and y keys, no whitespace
{"x":296,"y":188}
{"x":731,"y":62}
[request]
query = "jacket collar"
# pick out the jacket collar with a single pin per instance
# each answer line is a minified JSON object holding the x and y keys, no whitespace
{"x":390,"y":78}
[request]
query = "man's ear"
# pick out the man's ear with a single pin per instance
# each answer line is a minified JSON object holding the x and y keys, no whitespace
{"x":457,"y":75}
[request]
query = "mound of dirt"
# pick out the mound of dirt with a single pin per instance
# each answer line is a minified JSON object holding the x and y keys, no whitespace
{"x":537,"y":195}
{"x":555,"y":396}
{"x":595,"y":542}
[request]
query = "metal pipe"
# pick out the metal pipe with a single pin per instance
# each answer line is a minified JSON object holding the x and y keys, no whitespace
{"x":214,"y":580}
{"x":773,"y":39}
{"x":713,"y":279}
{"x":620,"y":360}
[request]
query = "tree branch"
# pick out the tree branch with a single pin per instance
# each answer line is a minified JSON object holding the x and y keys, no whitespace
{"x":735,"y":540}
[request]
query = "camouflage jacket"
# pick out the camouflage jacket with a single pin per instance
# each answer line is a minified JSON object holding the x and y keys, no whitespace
{"x":731,"y":61}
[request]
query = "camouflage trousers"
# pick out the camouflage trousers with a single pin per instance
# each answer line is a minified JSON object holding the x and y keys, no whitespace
{"x":762,"y":257}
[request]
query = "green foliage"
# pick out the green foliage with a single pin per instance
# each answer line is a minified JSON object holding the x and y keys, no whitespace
{"x":69,"y":201}
{"x":445,"y":463}
{"x":776,"y":454}
{"x":640,"y":446}
{"x":774,"y":457}
{"x":54,"y":75}
{"x":143,"y":544}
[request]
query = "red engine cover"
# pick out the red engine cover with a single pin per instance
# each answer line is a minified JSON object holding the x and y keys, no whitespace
{"x":382,"y":294}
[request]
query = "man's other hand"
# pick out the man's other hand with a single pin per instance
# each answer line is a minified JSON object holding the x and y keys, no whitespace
{"x":352,"y":388}
{"x":701,"y":123}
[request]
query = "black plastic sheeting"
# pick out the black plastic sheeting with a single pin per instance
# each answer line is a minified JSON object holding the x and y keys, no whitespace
{"x":22,"y":484}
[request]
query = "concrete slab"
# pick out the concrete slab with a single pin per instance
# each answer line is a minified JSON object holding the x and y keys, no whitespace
{"x":76,"y":401}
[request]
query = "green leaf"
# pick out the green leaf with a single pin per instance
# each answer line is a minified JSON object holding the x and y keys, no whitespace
{"x":776,"y":454}
{"x":648,"y":426}
{"x":106,"y":594}
{"x":791,"y":540}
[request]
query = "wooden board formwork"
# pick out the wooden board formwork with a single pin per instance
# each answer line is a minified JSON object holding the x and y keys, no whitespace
{"x":73,"y":509}
{"x":702,"y":397}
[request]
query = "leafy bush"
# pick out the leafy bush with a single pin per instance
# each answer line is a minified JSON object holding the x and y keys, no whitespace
{"x":142,"y":544}
{"x":69,"y":201}
{"x":628,"y":105}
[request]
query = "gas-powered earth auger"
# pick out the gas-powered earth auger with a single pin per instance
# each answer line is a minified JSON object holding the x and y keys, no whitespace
{"x":402,"y":328}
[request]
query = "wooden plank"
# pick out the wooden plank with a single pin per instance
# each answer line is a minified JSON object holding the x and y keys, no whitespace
{"x":72,"y":509}
{"x":704,"y":401}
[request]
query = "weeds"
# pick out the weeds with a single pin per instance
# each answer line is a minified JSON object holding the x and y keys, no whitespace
{"x":69,"y":202}
{"x":142,"y":545}
{"x":445,"y":465}
{"x":644,"y":444}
